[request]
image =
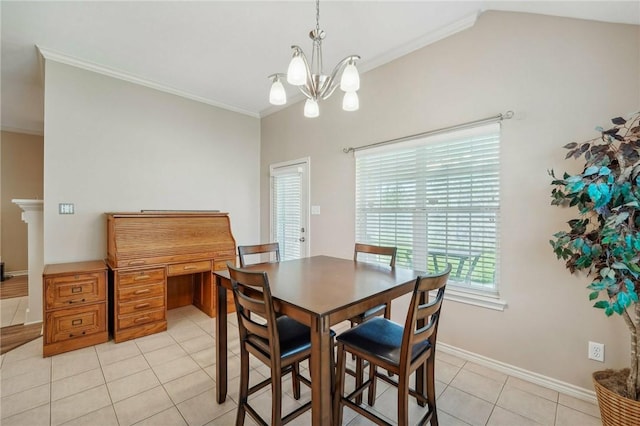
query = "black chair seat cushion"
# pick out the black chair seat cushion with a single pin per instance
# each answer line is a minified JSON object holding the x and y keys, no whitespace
{"x":295,"y":337}
{"x":376,"y":310}
{"x":380,"y":338}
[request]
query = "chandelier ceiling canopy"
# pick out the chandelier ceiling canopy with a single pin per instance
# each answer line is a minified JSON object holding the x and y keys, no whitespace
{"x":310,"y":79}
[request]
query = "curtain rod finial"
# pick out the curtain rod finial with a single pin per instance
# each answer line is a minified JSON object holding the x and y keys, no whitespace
{"x":347,"y":150}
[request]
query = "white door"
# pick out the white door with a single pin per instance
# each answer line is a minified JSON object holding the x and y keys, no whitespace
{"x":290,"y":207}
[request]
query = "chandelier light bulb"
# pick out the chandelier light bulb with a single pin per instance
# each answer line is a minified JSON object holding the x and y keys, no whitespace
{"x":297,"y":71}
{"x":277,"y":94}
{"x":311,"y":109}
{"x":350,"y":102}
{"x":350,"y":81}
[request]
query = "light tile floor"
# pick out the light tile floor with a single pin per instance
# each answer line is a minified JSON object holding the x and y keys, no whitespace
{"x":13,"y":311}
{"x":168,"y":379}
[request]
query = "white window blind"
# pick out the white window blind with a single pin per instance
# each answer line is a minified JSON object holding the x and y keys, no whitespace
{"x":437,"y":199}
{"x":286,"y":211}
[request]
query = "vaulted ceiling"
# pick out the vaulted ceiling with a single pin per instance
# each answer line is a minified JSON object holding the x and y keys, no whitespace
{"x":221,"y":52}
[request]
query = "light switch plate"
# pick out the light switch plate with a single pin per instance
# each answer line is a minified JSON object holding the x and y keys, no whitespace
{"x":66,"y":208}
{"x":315,"y":209}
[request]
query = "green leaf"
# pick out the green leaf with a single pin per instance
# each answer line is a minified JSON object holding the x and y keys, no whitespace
{"x":601,"y":304}
{"x":619,"y":265}
{"x":593,"y":295}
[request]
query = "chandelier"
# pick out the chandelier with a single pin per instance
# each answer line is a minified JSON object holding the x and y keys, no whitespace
{"x":312,"y":82}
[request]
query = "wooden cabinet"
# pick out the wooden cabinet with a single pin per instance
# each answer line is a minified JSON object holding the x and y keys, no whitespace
{"x":163,"y":260}
{"x":75,"y":306}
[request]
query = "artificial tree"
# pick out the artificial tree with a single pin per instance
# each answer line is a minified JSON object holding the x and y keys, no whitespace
{"x":604,"y":239}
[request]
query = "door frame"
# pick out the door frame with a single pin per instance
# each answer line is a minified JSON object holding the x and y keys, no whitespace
{"x":306,"y":195}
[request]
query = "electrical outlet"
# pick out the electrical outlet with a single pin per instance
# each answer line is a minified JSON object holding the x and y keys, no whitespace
{"x":596,"y":351}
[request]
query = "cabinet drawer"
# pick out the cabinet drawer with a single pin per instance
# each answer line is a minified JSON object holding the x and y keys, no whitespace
{"x":141,"y":292}
{"x":140,"y":277}
{"x":141,"y":305}
{"x":188,"y":268}
{"x":126,"y":321}
{"x":69,"y":290}
{"x":76,"y":322}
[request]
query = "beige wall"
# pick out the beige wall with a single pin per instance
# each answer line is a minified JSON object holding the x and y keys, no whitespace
{"x":21,"y":177}
{"x":116,"y":146}
{"x":562,"y":77}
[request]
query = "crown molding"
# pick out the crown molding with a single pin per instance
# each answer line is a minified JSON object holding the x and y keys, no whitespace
{"x":429,"y":38}
{"x":52,"y":55}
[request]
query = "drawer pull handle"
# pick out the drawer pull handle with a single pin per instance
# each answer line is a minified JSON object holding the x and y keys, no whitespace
{"x":143,"y":291}
{"x":76,"y":290}
{"x":141,"y":277}
{"x":141,"y":319}
{"x":76,"y":335}
{"x":137,"y":262}
{"x":188,"y":267}
{"x":142,"y":305}
{"x":76,"y":301}
{"x":76,"y":321}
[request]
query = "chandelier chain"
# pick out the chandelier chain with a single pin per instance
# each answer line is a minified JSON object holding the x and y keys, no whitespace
{"x":317,"y":16}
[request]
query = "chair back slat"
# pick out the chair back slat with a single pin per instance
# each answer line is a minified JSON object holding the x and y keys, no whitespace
{"x":252,"y":296}
{"x":258,"y":249}
{"x":423,"y":315}
{"x":377,"y":250}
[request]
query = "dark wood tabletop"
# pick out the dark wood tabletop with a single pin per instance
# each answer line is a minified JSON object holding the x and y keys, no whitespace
{"x":319,"y":291}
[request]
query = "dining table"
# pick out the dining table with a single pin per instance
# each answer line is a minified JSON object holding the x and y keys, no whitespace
{"x":319,"y":291}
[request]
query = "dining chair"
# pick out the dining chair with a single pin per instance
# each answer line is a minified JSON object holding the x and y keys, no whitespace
{"x":279,"y":342}
{"x":389,"y":252}
{"x":398,"y":349}
{"x":384,"y":309}
{"x":258,"y":249}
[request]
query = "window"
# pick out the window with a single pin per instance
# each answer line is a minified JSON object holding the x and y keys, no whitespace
{"x":289,"y":200}
{"x":437,"y":199}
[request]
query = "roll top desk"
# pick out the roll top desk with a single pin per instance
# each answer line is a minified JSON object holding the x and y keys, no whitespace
{"x":163,"y":260}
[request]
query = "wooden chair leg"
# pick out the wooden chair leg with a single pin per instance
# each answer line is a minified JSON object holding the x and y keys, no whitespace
{"x":276,"y":396}
{"x":339,"y":389}
{"x":421,"y":380}
{"x":403,"y":400}
{"x":295,"y":380}
{"x":359,"y":377}
{"x":431,"y":390}
{"x":371,"y":398}
{"x":244,"y":386}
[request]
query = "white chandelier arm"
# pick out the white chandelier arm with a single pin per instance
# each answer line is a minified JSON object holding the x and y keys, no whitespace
{"x":330,"y":83}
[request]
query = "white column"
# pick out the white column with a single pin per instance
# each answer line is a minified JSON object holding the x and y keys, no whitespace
{"x":32,"y":214}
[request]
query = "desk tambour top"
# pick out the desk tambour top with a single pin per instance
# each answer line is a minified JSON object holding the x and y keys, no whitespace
{"x":151,"y":238}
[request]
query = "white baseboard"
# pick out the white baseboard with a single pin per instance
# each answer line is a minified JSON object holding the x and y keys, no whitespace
{"x":520,"y":373}
{"x":15,"y":273}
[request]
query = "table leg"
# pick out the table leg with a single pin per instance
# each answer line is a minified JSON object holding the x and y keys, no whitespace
{"x":321,"y":374}
{"x":221,"y":341}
